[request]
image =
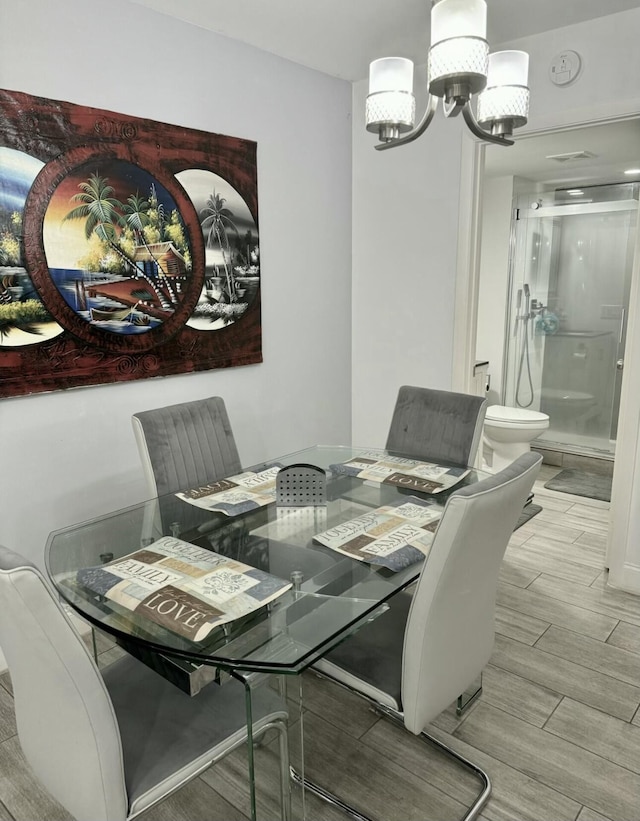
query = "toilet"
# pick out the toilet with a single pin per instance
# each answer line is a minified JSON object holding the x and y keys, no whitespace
{"x":508,"y":433}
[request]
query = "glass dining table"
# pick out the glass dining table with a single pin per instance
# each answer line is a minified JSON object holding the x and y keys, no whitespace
{"x":290,"y":557}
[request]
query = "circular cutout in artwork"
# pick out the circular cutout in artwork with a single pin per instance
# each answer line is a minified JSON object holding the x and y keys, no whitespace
{"x":24,"y":320}
{"x":116,"y":265}
{"x":231,"y":250}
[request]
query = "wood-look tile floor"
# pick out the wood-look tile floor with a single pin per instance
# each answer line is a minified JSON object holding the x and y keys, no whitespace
{"x":557,"y":727}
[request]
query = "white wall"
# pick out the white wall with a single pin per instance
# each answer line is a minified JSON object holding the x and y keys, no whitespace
{"x":608,"y":82}
{"x":405,"y":230}
{"x":70,"y":455}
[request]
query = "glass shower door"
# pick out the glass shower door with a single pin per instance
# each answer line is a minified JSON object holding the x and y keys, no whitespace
{"x":571,"y":267}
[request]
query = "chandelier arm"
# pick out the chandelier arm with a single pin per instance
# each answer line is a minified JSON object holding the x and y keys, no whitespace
{"x":479,"y":132}
{"x":410,"y":136}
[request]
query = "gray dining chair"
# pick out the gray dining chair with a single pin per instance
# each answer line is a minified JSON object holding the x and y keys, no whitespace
{"x":415,"y":659}
{"x":437,"y":426}
{"x":107,"y":746}
{"x":184,"y":445}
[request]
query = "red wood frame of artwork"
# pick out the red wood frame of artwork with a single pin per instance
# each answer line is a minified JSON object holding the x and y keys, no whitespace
{"x":68,"y":140}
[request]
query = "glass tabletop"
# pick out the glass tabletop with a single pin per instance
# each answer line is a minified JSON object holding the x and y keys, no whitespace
{"x":281,"y":584}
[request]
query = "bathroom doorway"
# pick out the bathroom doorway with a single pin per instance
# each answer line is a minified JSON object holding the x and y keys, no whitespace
{"x":568,"y":305}
{"x":556,"y":257}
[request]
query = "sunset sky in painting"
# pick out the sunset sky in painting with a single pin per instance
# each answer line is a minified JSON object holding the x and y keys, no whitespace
{"x":65,"y":242}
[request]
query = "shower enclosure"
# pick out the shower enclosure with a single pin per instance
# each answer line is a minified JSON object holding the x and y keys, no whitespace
{"x":570,"y":275}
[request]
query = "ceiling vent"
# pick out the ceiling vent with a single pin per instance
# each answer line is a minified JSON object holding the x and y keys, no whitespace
{"x":571,"y":155}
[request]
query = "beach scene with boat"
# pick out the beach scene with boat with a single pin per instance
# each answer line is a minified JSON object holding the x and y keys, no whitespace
{"x":116,"y":247}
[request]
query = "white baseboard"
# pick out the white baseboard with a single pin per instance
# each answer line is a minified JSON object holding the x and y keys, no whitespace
{"x":627,"y":578}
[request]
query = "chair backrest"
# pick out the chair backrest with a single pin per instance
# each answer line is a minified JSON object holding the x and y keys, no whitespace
{"x":450,"y":632}
{"x":184,"y":445}
{"x":439,"y":426}
{"x":66,"y":723}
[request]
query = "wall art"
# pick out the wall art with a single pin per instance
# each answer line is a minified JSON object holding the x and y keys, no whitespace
{"x":129,"y":248}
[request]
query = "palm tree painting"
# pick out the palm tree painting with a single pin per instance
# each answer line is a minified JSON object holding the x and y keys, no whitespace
{"x":136,"y":211}
{"x":232,"y":255}
{"x":216,"y":220}
{"x":129,"y":248}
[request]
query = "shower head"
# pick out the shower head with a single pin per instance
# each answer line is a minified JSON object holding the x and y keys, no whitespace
{"x":526,"y":290}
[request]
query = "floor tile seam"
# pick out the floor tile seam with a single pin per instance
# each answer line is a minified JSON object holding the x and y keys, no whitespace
{"x":554,"y":599}
{"x":624,"y":617}
{"x":544,"y":533}
{"x":596,"y":547}
{"x":562,"y":698}
{"x":626,"y":624}
{"x":468,"y":750}
{"x":539,"y":550}
{"x":572,"y":498}
{"x":604,"y":642}
{"x":9,"y":813}
{"x":585,"y":526}
{"x":548,"y":572}
{"x":570,"y":521}
{"x":395,"y":764}
{"x":564,"y":692}
{"x":538,"y":777}
{"x":527,"y":615}
{"x":585,"y":666}
{"x":593,"y":752}
{"x":549,"y":690}
{"x":356,"y":736}
{"x":595,"y":581}
{"x":526,"y":678}
{"x":545,"y":522}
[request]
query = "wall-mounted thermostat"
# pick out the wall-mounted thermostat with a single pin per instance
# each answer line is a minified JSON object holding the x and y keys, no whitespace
{"x":564,"y":68}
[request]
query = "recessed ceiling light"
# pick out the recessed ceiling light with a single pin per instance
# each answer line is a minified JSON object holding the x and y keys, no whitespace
{"x":575,"y":192}
{"x":631,"y":171}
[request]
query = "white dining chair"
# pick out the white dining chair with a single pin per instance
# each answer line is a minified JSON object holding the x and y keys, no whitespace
{"x":415,"y":659}
{"x":110,"y":744}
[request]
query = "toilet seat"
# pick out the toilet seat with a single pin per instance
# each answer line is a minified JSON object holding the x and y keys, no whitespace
{"x":567,"y":397}
{"x":500,"y":416}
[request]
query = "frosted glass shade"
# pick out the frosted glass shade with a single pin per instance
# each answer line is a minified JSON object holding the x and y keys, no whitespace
{"x":506,"y":98}
{"x":396,"y":109}
{"x":506,"y":104}
{"x":508,"y":68}
{"x":391,"y":74}
{"x":463,"y":60}
{"x":458,"y":18}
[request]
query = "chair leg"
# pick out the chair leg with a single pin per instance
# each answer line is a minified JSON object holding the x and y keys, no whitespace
{"x":474,"y":810}
{"x":327,"y":796}
{"x":470,"y":696}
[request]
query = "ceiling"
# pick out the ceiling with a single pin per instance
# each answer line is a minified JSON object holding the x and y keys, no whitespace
{"x":341,"y":37}
{"x":614,"y":147}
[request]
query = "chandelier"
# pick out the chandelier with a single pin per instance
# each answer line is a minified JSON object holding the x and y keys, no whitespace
{"x":459,"y":66}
